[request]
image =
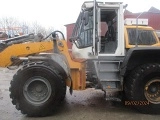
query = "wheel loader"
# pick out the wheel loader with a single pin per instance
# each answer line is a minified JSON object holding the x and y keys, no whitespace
{"x":123,"y":61}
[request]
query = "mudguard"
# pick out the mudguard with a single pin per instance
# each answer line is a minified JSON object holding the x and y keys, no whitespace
{"x":138,"y":56}
{"x":60,"y":62}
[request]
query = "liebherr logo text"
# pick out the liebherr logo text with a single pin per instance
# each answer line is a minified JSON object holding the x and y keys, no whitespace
{"x":136,"y":102}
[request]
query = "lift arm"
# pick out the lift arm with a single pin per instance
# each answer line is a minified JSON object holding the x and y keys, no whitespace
{"x":21,"y":47}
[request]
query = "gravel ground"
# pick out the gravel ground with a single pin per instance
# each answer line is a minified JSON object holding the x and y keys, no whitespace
{"x":82,"y":105}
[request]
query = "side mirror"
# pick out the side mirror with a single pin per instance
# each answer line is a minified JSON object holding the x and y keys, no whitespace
{"x":86,"y":17}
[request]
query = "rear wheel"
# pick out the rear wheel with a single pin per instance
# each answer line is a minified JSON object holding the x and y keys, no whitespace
{"x":142,"y":89}
{"x":37,"y":89}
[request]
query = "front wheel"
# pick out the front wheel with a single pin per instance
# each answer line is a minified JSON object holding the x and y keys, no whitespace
{"x":142,"y":89}
{"x":37,"y":89}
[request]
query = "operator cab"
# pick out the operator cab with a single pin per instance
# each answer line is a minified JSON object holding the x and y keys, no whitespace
{"x":108,"y":35}
{"x":99,"y":31}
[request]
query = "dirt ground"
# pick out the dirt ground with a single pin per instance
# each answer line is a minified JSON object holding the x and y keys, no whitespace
{"x":82,"y":105}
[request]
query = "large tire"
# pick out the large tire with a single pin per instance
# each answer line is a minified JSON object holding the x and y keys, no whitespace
{"x":142,"y":89}
{"x":37,"y":89}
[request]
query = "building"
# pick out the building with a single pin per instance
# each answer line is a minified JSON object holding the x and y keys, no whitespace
{"x":153,"y":16}
{"x":69,"y":29}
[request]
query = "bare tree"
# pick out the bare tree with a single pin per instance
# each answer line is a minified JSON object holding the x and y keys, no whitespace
{"x":25,"y":27}
{"x":37,"y":28}
{"x":9,"y":25}
{"x":50,"y":30}
{"x":12,"y":26}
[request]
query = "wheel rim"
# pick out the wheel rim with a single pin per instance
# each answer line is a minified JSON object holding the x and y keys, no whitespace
{"x":37,"y":90}
{"x":152,"y":91}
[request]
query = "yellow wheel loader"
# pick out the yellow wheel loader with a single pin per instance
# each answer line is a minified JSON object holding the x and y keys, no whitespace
{"x":124,"y":62}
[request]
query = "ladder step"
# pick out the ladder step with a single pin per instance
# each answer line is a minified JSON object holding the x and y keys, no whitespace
{"x":113,"y":89}
{"x":113,"y":99}
{"x":109,"y":61}
{"x":109,"y":80}
{"x":106,"y":70}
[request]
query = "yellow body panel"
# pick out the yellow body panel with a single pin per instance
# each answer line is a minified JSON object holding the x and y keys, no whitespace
{"x":139,"y":27}
{"x":23,"y":49}
{"x":77,"y":67}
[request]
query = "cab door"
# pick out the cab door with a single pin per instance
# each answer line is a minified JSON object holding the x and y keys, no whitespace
{"x":110,"y":29}
{"x":83,"y":36}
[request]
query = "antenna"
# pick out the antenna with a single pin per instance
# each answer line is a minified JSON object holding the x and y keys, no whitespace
{"x":136,"y":44}
{"x":94,"y":27}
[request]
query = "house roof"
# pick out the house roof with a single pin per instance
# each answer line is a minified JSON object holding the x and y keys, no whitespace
{"x":127,"y":12}
{"x":151,"y":10}
{"x":154,"y":10}
{"x":69,"y":24}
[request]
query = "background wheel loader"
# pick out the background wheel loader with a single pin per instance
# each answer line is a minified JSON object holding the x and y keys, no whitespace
{"x":124,"y":63}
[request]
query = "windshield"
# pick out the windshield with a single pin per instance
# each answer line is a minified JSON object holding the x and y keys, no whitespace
{"x":83,"y":33}
{"x":145,"y":37}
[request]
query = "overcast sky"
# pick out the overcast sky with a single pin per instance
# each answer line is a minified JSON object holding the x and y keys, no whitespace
{"x":57,"y":13}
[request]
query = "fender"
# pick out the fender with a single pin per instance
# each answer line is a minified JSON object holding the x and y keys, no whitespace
{"x":138,"y":56}
{"x":58,"y":61}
